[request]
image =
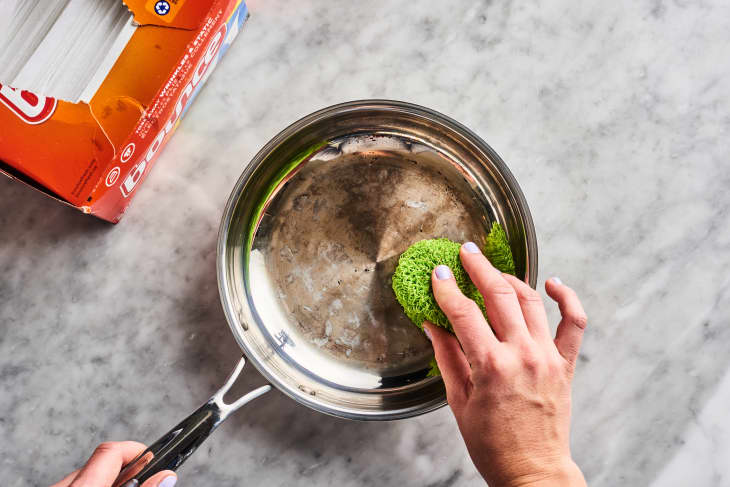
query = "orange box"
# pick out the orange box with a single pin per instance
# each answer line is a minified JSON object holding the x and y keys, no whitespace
{"x":94,"y":156}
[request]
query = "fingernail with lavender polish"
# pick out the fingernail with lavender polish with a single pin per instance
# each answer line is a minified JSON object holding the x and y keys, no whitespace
{"x":471,"y":247}
{"x":443,"y":272}
{"x":428,"y":333}
{"x":557,"y":280}
{"x":168,"y":481}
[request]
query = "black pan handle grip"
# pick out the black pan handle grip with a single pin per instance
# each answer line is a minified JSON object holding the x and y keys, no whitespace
{"x":170,"y":451}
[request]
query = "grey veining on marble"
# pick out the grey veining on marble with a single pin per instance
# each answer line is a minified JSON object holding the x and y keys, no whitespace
{"x":613,"y":116}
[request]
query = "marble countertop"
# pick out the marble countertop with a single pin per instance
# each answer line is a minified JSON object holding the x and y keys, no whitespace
{"x":613,"y":116}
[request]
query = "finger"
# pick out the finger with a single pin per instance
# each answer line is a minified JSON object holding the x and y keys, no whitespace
{"x":464,"y":315}
{"x":105,"y":463}
{"x":533,"y":309}
{"x":500,"y":299}
{"x":573,"y":322}
{"x":66,"y":480}
{"x":166,"y":478}
{"x":452,"y":363}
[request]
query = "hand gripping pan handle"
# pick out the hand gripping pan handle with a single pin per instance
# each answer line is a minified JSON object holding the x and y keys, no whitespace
{"x":170,"y":451}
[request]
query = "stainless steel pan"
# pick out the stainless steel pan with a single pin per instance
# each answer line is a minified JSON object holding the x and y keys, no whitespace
{"x":309,"y":240}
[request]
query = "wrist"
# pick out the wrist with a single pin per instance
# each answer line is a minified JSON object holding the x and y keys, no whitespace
{"x":564,"y":473}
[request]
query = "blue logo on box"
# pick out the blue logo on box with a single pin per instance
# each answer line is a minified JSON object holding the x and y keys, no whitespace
{"x":162,"y":7}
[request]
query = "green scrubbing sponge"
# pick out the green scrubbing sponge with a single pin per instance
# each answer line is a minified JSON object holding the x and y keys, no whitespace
{"x":498,"y":251}
{"x":412,"y":277}
{"x":412,"y":280}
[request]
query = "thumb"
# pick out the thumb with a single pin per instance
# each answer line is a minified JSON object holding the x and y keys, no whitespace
{"x":452,"y":362}
{"x":166,"y":478}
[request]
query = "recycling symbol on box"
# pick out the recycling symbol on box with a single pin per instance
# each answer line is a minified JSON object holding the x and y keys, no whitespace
{"x":162,"y":7}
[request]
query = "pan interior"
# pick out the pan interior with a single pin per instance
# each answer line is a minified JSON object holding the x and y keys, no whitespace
{"x":327,"y":244}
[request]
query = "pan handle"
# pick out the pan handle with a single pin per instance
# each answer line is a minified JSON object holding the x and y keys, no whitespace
{"x":170,"y":451}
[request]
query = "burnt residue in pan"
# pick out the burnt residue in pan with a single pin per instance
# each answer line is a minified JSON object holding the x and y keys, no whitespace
{"x":334,"y":235}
